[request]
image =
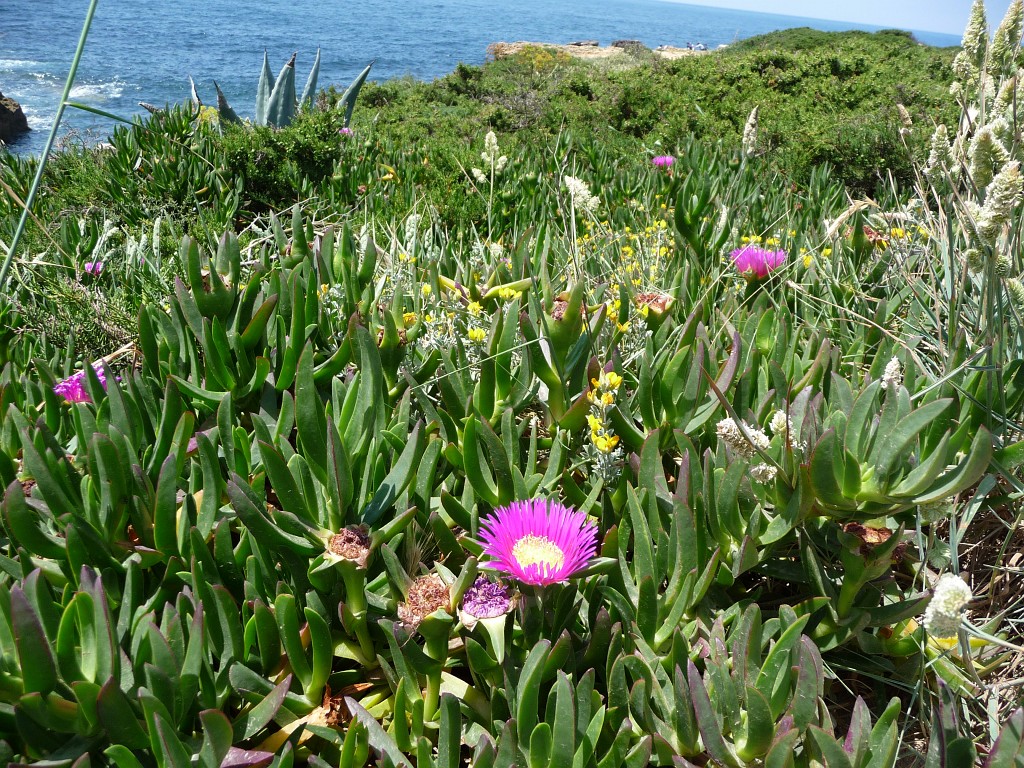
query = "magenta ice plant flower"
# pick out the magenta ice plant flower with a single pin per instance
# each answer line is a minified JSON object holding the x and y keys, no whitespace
{"x":72,"y":389}
{"x":752,"y":261}
{"x":538,"y":541}
{"x":93,"y":267}
{"x":663,"y":161}
{"x":346,"y":131}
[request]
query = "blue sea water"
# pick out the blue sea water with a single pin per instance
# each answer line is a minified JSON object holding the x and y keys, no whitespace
{"x":145,"y":50}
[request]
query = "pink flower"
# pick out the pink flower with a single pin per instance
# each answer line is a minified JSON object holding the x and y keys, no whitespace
{"x":752,"y":261}
{"x":539,"y":542}
{"x":346,"y":131}
{"x":72,"y":389}
{"x":663,"y":161}
{"x":94,"y":267}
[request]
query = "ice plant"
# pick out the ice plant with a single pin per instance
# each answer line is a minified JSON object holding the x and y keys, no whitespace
{"x":942,"y":617}
{"x":426,"y":595}
{"x":752,"y":261}
{"x":93,"y":267}
{"x":72,"y":389}
{"x":538,"y":542}
{"x":663,"y":161}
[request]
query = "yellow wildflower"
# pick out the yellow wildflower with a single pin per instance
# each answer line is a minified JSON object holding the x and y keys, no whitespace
{"x":475,"y":308}
{"x":409,"y":318}
{"x":426,"y":290}
{"x":477,"y":334}
{"x":605,"y":443}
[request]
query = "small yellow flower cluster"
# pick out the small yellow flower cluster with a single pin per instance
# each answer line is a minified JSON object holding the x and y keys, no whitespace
{"x":600,"y":436}
{"x":604,"y":443}
{"x":808,"y":257}
{"x":603,"y":389}
{"x":640,"y":254}
{"x":509,"y":294}
{"x":477,"y":335}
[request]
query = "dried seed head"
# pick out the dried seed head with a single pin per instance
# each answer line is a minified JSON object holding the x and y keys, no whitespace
{"x":426,"y":595}
{"x":351,"y":543}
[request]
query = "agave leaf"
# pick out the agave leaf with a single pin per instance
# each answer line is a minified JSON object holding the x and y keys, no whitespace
{"x":281,"y":108}
{"x":227,"y":114}
{"x":309,"y":92}
{"x":263,"y":92}
{"x":195,"y":94}
{"x":348,"y":99}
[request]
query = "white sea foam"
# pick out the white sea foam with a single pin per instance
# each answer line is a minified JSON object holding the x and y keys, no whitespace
{"x":8,"y":65}
{"x":98,"y":91}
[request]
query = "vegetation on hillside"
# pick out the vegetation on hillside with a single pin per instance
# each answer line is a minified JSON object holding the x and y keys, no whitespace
{"x":546,"y":414}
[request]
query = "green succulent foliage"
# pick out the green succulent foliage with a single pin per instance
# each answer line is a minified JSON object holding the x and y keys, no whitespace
{"x":277,"y":102}
{"x":877,"y":459}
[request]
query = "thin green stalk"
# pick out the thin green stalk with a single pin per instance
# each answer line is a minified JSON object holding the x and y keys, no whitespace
{"x":37,"y":181}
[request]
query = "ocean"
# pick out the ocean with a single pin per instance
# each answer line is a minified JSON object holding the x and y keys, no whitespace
{"x":145,"y":50}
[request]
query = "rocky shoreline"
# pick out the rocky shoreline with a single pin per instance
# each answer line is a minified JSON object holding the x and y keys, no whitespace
{"x":590,"y":49}
{"x":12,"y":120}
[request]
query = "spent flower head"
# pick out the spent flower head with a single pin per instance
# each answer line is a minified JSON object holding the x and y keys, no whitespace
{"x":427,"y":594}
{"x":487,"y":599}
{"x":351,"y":544}
{"x":538,"y":541}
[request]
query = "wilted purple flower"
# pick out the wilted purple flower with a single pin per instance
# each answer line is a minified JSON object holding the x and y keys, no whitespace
{"x":663,"y":161}
{"x":72,"y":389}
{"x":539,"y":541}
{"x":487,"y":599}
{"x":752,"y":261}
{"x":93,"y":267}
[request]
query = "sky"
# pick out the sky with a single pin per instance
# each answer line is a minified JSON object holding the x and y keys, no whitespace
{"x":949,"y":16}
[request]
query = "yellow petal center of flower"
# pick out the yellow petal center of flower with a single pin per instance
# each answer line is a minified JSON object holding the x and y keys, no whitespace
{"x":538,"y":550}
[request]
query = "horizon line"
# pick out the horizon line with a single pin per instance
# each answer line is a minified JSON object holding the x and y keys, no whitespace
{"x":709,"y":4}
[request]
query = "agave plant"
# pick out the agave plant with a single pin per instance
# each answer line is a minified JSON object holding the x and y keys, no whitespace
{"x":277,"y":104}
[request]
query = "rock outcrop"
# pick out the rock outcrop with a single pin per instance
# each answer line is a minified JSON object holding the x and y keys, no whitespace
{"x":12,"y":119}
{"x":584,"y":49}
